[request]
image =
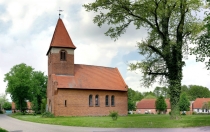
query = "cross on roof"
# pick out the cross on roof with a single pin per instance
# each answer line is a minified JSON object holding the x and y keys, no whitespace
{"x":60,"y":12}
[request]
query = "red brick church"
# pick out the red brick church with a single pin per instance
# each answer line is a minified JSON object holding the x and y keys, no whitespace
{"x":78,"y":89}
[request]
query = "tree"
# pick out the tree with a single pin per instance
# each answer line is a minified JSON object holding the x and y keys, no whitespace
{"x":196,"y":91}
{"x":170,"y":25}
{"x":150,"y":96}
{"x":206,"y":105}
{"x":18,"y":84}
{"x":38,"y":90}
{"x":202,"y":41}
{"x":7,"y":106}
{"x":23,"y":83}
{"x":158,"y":91}
{"x":160,"y":104}
{"x":184,"y":103}
{"x":3,"y":99}
{"x":133,"y":97}
{"x":150,"y":93}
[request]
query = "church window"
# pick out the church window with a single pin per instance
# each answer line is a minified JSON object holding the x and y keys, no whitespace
{"x":112,"y":101}
{"x":65,"y":103}
{"x":107,"y":100}
{"x":97,"y":100}
{"x":90,"y":100}
{"x":63,"y":55}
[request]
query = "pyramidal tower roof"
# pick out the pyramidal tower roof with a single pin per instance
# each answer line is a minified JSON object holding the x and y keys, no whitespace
{"x":61,"y":37}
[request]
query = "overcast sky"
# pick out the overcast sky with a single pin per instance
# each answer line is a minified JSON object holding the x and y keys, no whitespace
{"x":27,"y":26}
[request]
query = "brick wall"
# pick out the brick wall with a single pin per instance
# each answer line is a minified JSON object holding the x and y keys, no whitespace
{"x":55,"y":66}
{"x":77,"y":103}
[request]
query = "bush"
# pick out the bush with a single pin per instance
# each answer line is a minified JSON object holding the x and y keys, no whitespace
{"x":170,"y":113}
{"x":1,"y":112}
{"x":47,"y":115}
{"x":114,"y":115}
{"x":194,"y":113}
{"x":3,"y":130}
{"x":43,"y":105}
{"x":183,"y":113}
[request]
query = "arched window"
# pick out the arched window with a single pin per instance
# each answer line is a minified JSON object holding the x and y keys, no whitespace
{"x":62,"y":55}
{"x":97,"y":100}
{"x":112,"y":101}
{"x":107,"y":100}
{"x":90,"y":100}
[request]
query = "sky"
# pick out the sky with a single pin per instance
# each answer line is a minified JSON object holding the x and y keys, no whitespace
{"x":26,"y":29}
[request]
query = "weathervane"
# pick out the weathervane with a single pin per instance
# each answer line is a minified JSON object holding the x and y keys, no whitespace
{"x":60,"y":12}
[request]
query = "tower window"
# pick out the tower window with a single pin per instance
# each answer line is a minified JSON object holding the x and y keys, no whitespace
{"x":63,"y":55}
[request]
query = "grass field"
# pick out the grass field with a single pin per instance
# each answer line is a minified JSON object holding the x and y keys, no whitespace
{"x":130,"y":121}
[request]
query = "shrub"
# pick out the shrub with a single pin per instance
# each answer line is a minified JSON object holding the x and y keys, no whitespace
{"x":183,"y":113}
{"x":43,"y":105}
{"x":114,"y":115}
{"x":3,"y":130}
{"x":170,"y":113}
{"x":47,"y":115}
{"x":194,"y":113}
{"x":1,"y":112}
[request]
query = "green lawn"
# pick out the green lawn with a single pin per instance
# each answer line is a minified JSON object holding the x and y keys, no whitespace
{"x":130,"y":121}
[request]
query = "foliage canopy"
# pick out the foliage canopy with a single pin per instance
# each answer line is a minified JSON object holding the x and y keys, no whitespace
{"x":170,"y":25}
{"x":160,"y":104}
{"x":23,"y":83}
{"x":184,"y":103}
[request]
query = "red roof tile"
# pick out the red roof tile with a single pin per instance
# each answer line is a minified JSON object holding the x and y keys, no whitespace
{"x":198,"y":103}
{"x":61,"y":37}
{"x":150,"y":104}
{"x":92,"y":77}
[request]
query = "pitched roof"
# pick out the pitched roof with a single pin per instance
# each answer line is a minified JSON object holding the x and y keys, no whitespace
{"x":150,"y":104}
{"x":198,"y":103}
{"x":61,"y":37}
{"x":92,"y":77}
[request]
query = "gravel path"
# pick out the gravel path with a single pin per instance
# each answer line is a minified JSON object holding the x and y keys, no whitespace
{"x":14,"y":125}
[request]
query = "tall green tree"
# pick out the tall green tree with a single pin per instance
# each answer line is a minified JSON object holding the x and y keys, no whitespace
{"x":18,"y":84}
{"x":158,"y":91}
{"x":184,"y":103}
{"x":206,"y":105}
{"x":23,"y":83}
{"x":160,"y":104}
{"x":170,"y":25}
{"x":7,"y":106}
{"x":133,"y":97}
{"x":196,"y":91}
{"x":38,"y":90}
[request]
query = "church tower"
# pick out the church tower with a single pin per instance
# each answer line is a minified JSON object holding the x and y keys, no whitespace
{"x":61,"y":52}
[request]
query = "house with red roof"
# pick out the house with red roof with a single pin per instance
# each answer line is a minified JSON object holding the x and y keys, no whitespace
{"x":148,"y":106}
{"x":79,"y":89}
{"x":28,"y":108}
{"x":198,"y":104}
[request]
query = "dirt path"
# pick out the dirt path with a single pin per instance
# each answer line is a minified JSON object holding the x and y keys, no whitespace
{"x":14,"y":125}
